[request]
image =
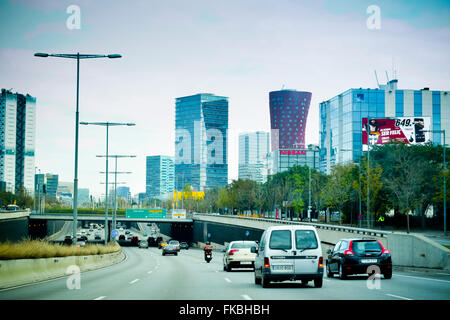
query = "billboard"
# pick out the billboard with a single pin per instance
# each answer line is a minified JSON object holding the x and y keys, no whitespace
{"x":401,"y":129}
{"x":146,"y":214}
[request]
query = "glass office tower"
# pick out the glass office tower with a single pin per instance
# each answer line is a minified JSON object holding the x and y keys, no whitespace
{"x":340,"y":118}
{"x":288,"y":114}
{"x":159,"y":175}
{"x":253,"y":150}
{"x":17,"y":140}
{"x":201,"y":124}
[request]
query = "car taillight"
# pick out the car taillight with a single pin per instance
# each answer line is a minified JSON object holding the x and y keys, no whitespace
{"x":349,"y":252}
{"x":320,"y":262}
{"x":383,"y":250}
{"x":232,"y":251}
{"x":266,"y":262}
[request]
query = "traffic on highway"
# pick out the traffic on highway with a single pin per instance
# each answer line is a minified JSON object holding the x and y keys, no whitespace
{"x":286,"y":264}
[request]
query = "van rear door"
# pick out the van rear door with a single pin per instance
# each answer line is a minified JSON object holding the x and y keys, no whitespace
{"x":280,"y":252}
{"x":307,"y":251}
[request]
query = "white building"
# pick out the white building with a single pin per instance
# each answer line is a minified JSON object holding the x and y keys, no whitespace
{"x":253,"y":150}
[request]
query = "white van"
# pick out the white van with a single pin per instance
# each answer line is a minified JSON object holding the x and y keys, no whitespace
{"x":288,"y":253}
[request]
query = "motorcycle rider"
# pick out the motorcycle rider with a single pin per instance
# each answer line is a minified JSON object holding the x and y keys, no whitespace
{"x":208,"y":248}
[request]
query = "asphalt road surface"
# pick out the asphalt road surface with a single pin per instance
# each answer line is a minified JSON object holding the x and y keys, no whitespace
{"x":147,"y":275}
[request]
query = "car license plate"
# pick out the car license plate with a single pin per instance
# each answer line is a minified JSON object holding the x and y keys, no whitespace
{"x":246,"y":262}
{"x":369,"y":260}
{"x":282,"y":268}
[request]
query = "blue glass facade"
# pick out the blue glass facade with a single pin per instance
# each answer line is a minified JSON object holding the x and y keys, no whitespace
{"x":201,"y":125}
{"x":341,"y":118}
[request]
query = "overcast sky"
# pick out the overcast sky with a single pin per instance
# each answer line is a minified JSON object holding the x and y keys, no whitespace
{"x":239,"y":49}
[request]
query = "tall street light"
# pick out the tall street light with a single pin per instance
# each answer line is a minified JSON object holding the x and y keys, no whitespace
{"x":107,"y":125}
{"x":115,"y":184}
{"x":444,"y":167}
{"x":76,"y":56}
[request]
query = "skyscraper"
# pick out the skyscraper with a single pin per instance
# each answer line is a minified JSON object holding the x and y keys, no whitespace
{"x":253,"y":150}
{"x":201,"y":124}
{"x":52,"y":185}
{"x":288,"y":114}
{"x":159,"y":175}
{"x":17,"y":140}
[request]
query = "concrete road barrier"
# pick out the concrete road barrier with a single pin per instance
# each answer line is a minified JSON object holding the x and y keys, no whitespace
{"x":26,"y":271}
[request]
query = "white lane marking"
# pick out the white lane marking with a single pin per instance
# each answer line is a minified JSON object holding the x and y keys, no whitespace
{"x":246,"y":297}
{"x":421,"y":278}
{"x":393,"y":295}
{"x":100,"y":298}
{"x":134,"y":281}
{"x":227,"y":280}
{"x":150,"y":272}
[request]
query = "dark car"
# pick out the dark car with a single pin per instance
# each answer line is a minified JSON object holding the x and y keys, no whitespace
{"x":359,"y":256}
{"x":134,"y":241}
{"x":68,"y":240}
{"x":170,"y":249}
{"x":184,"y":245}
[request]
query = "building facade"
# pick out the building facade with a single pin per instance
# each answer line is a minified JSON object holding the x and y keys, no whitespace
{"x":284,"y":159}
{"x":253,"y":150}
{"x":288,"y":115}
{"x":201,"y":129}
{"x":17,"y":140}
{"x":341,"y":118}
{"x":51,"y":185}
{"x":159,"y":175}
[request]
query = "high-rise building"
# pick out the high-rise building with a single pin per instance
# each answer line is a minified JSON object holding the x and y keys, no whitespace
{"x":253,"y":150}
{"x":159,"y":175}
{"x":284,"y":159}
{"x":124,"y":193}
{"x":288,"y":114}
{"x":201,"y":128}
{"x":17,"y":140}
{"x":341,"y":117}
{"x":51,"y":185}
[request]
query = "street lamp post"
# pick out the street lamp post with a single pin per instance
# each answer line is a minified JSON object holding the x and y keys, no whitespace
{"x":115,"y":184}
{"x":77,"y":56}
{"x":107,"y":125}
{"x":444,"y":167}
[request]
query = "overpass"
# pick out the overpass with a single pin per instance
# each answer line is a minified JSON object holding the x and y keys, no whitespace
{"x":68,"y":217}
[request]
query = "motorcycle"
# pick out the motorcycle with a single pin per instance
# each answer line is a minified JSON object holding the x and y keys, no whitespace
{"x":208,"y":255}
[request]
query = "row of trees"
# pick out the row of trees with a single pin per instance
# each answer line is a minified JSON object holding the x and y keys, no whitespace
{"x":399,"y":178}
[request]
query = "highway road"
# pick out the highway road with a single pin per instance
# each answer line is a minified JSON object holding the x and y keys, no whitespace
{"x":147,"y":275}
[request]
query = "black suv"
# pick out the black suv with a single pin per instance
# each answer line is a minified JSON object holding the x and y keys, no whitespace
{"x":359,"y":256}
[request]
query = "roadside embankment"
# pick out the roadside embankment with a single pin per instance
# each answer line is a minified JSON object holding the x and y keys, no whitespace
{"x":19,"y":271}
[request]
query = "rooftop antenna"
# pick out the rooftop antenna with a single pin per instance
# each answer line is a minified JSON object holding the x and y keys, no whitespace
{"x":282,"y":88}
{"x":376,"y":77}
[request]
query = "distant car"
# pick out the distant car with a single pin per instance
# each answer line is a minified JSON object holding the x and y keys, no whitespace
{"x":143,"y":244}
{"x":80,"y":242}
{"x":176,"y":243}
{"x":127,"y":232}
{"x":161,"y":244}
{"x":134,"y":241}
{"x":356,"y":255}
{"x":238,"y":255}
{"x":122,"y":237}
{"x":68,"y":240}
{"x":170,"y":249}
{"x":184,"y":245}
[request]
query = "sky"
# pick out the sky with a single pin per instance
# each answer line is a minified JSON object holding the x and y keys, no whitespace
{"x":241,"y":49}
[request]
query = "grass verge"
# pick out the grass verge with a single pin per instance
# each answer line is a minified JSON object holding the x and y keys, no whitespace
{"x":35,"y":249}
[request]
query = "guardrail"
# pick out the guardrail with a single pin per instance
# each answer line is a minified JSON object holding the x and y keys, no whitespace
{"x":371,"y":232}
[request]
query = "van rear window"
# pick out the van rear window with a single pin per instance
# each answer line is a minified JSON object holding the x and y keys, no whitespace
{"x":280,"y":239}
{"x":305,"y":239}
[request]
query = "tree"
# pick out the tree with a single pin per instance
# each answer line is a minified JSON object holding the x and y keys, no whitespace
{"x":404,"y":176}
{"x":339,"y":187}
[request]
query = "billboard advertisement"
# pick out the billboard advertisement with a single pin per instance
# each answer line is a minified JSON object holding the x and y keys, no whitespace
{"x":409,"y":130}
